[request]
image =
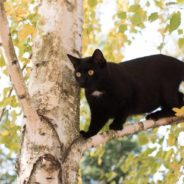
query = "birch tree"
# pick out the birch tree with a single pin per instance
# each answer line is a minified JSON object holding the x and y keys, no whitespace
{"x":51,"y":144}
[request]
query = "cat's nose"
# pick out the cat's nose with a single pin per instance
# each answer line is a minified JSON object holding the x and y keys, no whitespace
{"x":82,"y":84}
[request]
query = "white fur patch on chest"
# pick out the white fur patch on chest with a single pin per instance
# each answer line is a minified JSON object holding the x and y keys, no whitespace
{"x":97,"y":93}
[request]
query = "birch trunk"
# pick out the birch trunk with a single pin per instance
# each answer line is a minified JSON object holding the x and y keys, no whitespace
{"x":55,"y":95}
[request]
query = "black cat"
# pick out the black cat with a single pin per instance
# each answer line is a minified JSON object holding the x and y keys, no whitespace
{"x":137,"y":86}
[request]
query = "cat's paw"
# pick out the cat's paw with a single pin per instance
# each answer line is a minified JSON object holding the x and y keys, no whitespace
{"x":85,"y":134}
{"x":152,"y":116}
{"x":115,"y":127}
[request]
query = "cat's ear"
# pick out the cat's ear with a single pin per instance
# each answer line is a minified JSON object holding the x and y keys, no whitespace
{"x":98,"y":57}
{"x":75,"y":61}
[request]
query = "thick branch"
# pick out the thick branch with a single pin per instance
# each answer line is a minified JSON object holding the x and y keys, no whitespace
{"x":129,"y":130}
{"x":15,"y":71}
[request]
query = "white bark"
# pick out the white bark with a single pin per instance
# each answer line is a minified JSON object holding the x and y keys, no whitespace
{"x":55,"y":96}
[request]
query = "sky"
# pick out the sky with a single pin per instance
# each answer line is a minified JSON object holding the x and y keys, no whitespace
{"x":145,"y":43}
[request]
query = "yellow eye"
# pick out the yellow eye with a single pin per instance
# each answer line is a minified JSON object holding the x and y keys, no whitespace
{"x":91,"y":72}
{"x":78,"y":74}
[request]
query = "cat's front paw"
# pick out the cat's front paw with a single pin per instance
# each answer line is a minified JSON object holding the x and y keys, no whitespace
{"x":85,"y":134}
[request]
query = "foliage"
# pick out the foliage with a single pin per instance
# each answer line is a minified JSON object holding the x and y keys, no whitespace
{"x":159,"y":159}
{"x":110,"y":157}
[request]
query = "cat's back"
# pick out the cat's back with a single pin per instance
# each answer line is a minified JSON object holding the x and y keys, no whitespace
{"x":152,"y":60}
{"x":148,"y":69}
{"x":153,"y":65}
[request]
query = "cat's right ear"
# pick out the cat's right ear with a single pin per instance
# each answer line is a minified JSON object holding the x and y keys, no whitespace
{"x":75,"y":61}
{"x":98,"y":57}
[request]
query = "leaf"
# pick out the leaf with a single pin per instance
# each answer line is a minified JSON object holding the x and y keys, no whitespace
{"x":160,"y":4}
{"x":171,"y":140}
{"x":26,"y":31}
{"x":134,"y":8}
{"x":123,"y":28}
{"x":136,"y":19}
{"x":2,"y":63}
{"x":180,"y":1}
{"x":143,"y":139}
{"x":110,"y":175}
{"x":181,"y":42}
{"x":122,"y":15}
{"x":153,"y":17}
{"x":175,"y":21}
{"x":180,"y":31}
{"x":92,"y":3}
{"x":178,"y":111}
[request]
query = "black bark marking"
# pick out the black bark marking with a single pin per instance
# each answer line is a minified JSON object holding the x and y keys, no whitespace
{"x":141,"y":126}
{"x":14,"y":62}
{"x":52,"y":126}
{"x":22,"y":96}
{"x":40,"y":163}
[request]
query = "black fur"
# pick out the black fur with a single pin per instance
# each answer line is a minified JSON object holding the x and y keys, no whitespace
{"x":137,"y":86}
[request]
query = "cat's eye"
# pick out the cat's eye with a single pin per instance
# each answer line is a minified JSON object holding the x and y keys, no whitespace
{"x":91,"y":72}
{"x":78,"y":74}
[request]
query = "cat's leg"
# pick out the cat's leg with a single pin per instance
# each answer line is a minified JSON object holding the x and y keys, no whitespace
{"x":175,"y":100}
{"x":118,"y":122}
{"x":96,"y":124}
{"x":160,"y":114}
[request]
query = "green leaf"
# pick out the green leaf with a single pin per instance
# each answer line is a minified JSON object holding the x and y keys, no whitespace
{"x":122,"y":15}
{"x":171,"y":140}
{"x":110,"y":175}
{"x":153,"y":17}
{"x":180,"y":1}
{"x":2,"y":63}
{"x":134,"y":8}
{"x":180,"y":31}
{"x":92,"y":3}
{"x":136,"y":19}
{"x":122,"y":28}
{"x":143,"y":138}
{"x":181,"y":42}
{"x":160,"y":4}
{"x":175,"y":21}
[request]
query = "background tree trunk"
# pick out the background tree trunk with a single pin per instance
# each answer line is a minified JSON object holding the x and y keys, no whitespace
{"x":46,"y":156}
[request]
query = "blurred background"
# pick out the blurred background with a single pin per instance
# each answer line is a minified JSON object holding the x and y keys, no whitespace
{"x":123,"y":30}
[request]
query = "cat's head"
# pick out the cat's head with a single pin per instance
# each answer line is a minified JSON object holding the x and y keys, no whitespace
{"x":88,"y":70}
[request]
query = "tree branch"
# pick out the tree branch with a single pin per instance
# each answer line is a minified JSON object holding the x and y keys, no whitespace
{"x":9,"y":94}
{"x":129,"y":130}
{"x":14,"y":71}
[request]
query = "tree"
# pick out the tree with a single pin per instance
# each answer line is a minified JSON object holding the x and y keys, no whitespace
{"x":49,"y":129}
{"x":51,"y":145}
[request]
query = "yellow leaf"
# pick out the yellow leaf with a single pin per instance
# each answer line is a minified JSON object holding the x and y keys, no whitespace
{"x":171,"y":140}
{"x":9,"y":8}
{"x":21,"y":12}
{"x":26,"y":31}
{"x":179,"y":111}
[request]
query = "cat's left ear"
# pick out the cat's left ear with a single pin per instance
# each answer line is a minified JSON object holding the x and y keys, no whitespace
{"x":75,"y":61}
{"x":98,"y":57}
